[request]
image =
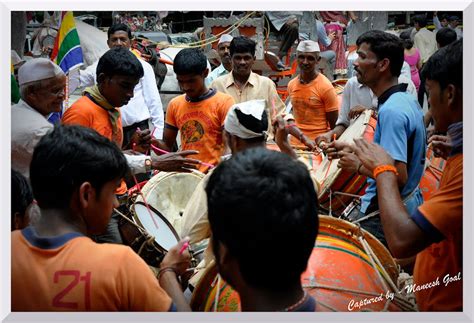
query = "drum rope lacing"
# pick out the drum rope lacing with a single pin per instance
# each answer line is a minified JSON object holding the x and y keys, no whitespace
{"x":149,"y":239}
{"x":145,"y":202}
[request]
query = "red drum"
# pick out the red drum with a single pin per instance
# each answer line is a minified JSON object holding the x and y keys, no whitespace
{"x":348,"y":270}
{"x":338,"y":187}
{"x":434,"y":170}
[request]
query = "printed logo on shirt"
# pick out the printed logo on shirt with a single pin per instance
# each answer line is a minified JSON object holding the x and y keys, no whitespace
{"x":192,"y":131}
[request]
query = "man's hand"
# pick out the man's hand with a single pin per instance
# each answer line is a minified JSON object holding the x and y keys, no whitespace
{"x":356,"y":111}
{"x":348,"y":162}
{"x":178,"y":257}
{"x":441,"y":145}
{"x":141,"y":140}
{"x":281,"y":136}
{"x":323,"y":140}
{"x":335,"y":147}
{"x":371,"y":155}
{"x":176,"y":162}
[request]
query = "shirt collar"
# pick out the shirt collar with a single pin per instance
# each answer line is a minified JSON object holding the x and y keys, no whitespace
{"x":253,"y":79}
{"x":402,"y":87}
{"x":29,"y":107}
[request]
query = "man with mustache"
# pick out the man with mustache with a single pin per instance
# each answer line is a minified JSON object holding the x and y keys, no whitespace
{"x":400,"y":129}
{"x":314,"y":99}
{"x":226,"y":63}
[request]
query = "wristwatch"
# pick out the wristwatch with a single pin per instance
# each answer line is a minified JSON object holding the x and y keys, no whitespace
{"x":148,"y":165}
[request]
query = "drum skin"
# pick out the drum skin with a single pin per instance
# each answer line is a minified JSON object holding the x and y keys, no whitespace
{"x":338,"y":261}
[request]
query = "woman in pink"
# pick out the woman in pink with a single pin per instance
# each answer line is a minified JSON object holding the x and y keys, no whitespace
{"x":412,"y":57}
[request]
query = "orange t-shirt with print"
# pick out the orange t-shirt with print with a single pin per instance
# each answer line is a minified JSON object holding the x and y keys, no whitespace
{"x":443,"y":260}
{"x":310,"y":104}
{"x":201,"y":125}
{"x":85,"y":112}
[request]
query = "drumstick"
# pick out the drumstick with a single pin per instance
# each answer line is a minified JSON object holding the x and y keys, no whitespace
{"x":144,"y":201}
{"x":184,"y":247}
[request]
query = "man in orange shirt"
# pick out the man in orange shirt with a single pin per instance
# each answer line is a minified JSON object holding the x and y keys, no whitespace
{"x":198,"y":114}
{"x":55,"y":266}
{"x":118,"y":71}
{"x":314,"y":99}
{"x":433,"y":232}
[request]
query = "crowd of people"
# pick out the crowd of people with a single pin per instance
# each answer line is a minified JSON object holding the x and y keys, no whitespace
{"x":70,"y":182}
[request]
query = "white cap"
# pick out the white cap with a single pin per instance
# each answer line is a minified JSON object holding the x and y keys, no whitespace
{"x":308,"y":46}
{"x":253,"y":108}
{"x":38,"y":69}
{"x":225,"y":38}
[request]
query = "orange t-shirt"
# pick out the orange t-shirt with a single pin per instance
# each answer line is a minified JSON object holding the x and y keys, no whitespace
{"x":201,"y":125}
{"x":73,"y":273}
{"x":310,"y":104}
{"x":85,"y":112}
{"x":442,"y":261}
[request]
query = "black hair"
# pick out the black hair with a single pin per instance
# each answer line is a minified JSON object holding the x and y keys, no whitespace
{"x":190,"y":61}
{"x":21,"y":195}
{"x":446,"y":36}
{"x":119,"y":27}
{"x":445,"y":66}
{"x":242,"y":45}
{"x":406,"y":39}
{"x":120,"y":61}
{"x":420,"y":19}
{"x":69,"y":156}
{"x":262,"y":206}
{"x":385,"y":45}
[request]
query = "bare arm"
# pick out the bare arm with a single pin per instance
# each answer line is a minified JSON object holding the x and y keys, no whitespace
{"x":331,"y":117}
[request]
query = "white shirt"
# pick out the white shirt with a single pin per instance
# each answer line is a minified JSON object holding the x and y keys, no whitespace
{"x":28,"y":127}
{"x":218,"y":71}
{"x":146,"y":101}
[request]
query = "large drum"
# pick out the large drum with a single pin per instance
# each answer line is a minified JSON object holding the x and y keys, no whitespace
{"x":169,"y":193}
{"x":339,"y":187}
{"x":310,"y":158}
{"x":347,"y":269}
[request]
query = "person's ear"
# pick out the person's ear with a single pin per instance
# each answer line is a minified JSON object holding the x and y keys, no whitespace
{"x":86,"y":194}
{"x":384,"y":64}
{"x":451,"y":94}
{"x":205,"y":73}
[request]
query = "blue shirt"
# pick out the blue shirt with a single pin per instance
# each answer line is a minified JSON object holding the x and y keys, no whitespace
{"x":401,"y":132}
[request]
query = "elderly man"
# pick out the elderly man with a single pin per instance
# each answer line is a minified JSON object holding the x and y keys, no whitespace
{"x":42,"y":86}
{"x":145,"y":103}
{"x":226,"y":62}
{"x":244,"y":85}
{"x":314,"y":99}
{"x":433,"y":231}
{"x":400,"y":129}
{"x":454,"y":24}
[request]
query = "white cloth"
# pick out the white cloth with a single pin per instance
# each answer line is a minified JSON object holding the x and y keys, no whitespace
{"x":308,"y":46}
{"x":279,"y":18}
{"x":136,"y":163}
{"x":425,"y":41}
{"x":225,"y":38}
{"x":146,"y":101}
{"x":255,"y":108}
{"x":28,"y":127}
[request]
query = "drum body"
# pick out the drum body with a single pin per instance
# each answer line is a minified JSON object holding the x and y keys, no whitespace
{"x":311,"y":159}
{"x":169,"y":192}
{"x":335,"y":182}
{"x":339,"y":273}
{"x":429,"y":183}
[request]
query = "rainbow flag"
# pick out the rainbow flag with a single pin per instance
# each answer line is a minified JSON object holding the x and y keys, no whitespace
{"x":67,"y":51}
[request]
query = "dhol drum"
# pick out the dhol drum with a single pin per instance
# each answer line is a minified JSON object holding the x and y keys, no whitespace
{"x":348,"y":270}
{"x":310,"y":158}
{"x":429,"y":183}
{"x":148,"y":233}
{"x":339,"y":187}
{"x":168,"y":193}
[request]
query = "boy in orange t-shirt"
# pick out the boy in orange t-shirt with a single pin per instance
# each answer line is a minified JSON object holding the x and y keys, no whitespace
{"x":199,"y":114}
{"x":314,"y":99}
{"x":55,"y":265}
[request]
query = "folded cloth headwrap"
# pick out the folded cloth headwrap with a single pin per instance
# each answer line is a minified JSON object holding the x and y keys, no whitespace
{"x":114,"y":113}
{"x":308,"y":46}
{"x":247,"y":120}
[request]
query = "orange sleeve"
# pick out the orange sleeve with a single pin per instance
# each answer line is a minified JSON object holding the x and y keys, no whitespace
{"x":140,"y":286}
{"x":170,"y":113}
{"x":444,"y":209}
{"x":229,"y":101}
{"x":330,"y":99}
{"x":75,"y":115}
{"x":290,"y":86}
